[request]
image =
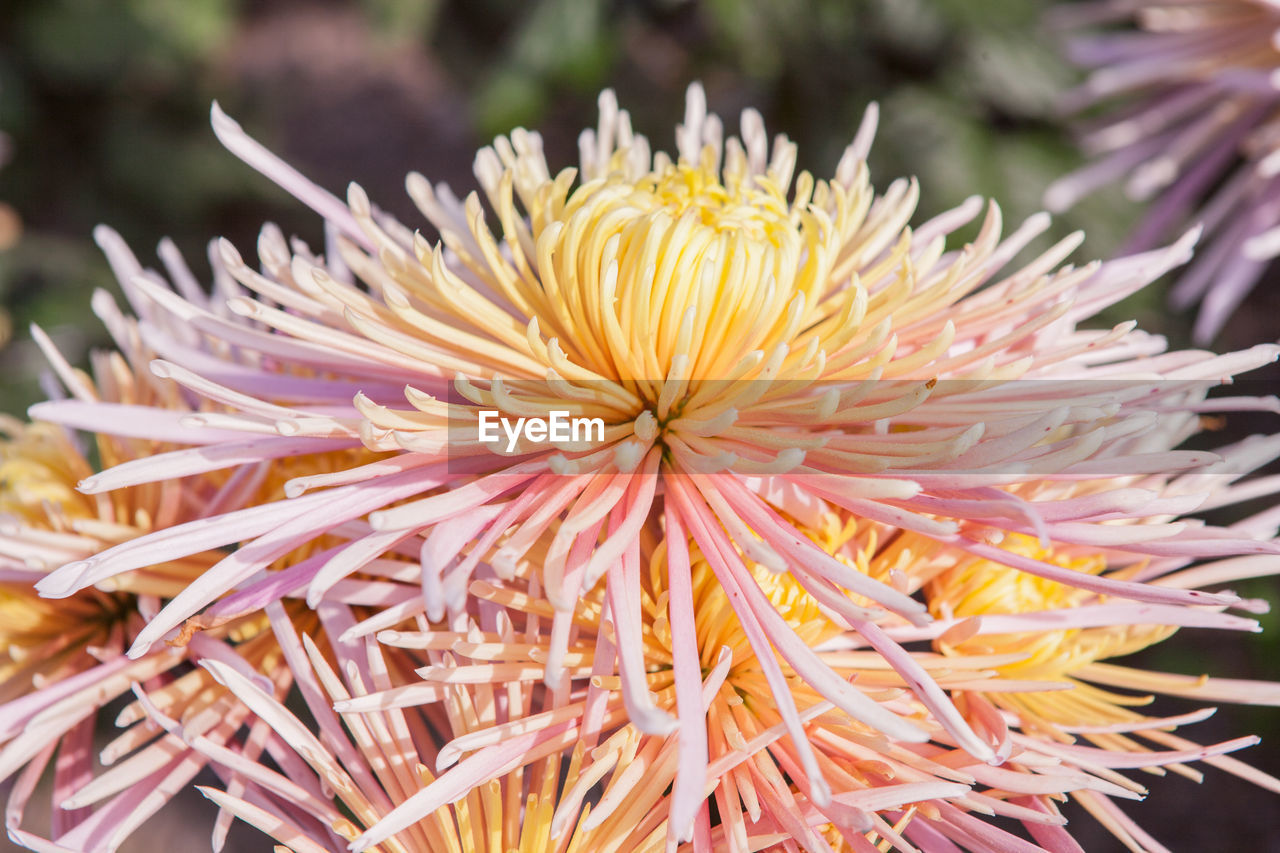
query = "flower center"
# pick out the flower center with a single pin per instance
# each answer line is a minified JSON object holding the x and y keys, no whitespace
{"x":754,"y":207}
{"x":684,"y":273}
{"x":38,"y":474}
{"x":982,"y":587}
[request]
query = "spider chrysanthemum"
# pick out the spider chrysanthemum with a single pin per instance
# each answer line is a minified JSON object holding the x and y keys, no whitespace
{"x":63,"y":661}
{"x":1184,"y":112}
{"x":761,"y":350}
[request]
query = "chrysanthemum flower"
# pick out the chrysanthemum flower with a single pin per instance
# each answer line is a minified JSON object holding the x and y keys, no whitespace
{"x":1062,"y":635}
{"x":1188,"y":118}
{"x":64,"y":661}
{"x":761,"y":349}
{"x":1059,"y":636}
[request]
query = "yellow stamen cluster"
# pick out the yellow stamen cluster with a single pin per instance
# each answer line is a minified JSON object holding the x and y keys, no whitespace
{"x":981,"y":587}
{"x":39,"y":469}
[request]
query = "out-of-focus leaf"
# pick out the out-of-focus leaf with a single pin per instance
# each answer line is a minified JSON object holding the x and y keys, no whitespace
{"x":403,"y":20}
{"x":81,"y":40}
{"x":561,"y":42}
{"x":510,"y":99}
{"x":188,"y":30}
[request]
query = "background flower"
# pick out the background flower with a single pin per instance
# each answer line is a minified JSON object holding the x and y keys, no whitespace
{"x":64,"y":664}
{"x":1188,"y":122}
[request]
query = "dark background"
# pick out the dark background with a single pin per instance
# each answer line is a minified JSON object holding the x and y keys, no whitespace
{"x":104,"y":106}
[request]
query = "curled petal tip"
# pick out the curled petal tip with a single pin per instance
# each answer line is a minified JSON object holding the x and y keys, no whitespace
{"x":64,"y":581}
{"x":242,"y":307}
{"x":229,"y":253}
{"x":221,"y":122}
{"x":446,"y":758}
{"x":358,"y":200}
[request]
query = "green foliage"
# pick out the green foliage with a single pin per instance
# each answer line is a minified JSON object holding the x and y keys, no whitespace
{"x":561,"y":43}
{"x":403,"y":21}
{"x":85,"y":41}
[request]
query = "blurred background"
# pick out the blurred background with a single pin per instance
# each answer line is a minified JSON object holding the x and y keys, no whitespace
{"x":104,"y":113}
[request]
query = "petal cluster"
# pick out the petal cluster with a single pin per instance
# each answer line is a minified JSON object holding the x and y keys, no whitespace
{"x":1187,"y":99}
{"x":867,"y":512}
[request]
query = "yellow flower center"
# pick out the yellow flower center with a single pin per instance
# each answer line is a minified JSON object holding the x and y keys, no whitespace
{"x":757,"y":207}
{"x":38,"y":472}
{"x":678,"y":273}
{"x":982,"y":587}
{"x":717,"y":625}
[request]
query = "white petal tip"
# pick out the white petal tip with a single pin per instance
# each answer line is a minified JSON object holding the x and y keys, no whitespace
{"x":446,"y":759}
{"x":230,"y":255}
{"x":103,"y":234}
{"x":222,"y":123}
{"x":62,"y":582}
